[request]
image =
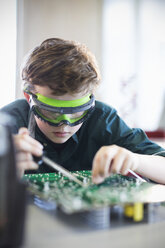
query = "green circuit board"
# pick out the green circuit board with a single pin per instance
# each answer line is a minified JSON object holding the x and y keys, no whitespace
{"x":71,"y":197}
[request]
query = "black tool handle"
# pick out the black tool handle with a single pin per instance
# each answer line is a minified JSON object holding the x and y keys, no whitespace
{"x":38,"y":160}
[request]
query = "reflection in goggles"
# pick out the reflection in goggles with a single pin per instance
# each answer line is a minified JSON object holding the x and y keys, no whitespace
{"x":54,"y":115}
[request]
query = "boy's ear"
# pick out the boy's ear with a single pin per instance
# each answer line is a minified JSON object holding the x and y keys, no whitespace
{"x":27,"y":97}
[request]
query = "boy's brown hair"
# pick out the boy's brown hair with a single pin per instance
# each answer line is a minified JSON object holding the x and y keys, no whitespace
{"x":62,"y":65}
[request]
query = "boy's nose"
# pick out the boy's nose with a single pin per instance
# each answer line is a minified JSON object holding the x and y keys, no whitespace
{"x":63,"y":124}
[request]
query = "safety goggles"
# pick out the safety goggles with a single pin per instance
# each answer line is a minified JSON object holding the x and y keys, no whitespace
{"x":57,"y":112}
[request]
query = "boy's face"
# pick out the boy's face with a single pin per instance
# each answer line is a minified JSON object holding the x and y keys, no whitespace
{"x":61,"y":133}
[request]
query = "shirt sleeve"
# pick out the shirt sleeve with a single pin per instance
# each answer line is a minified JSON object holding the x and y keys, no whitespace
{"x":18,"y":111}
{"x":113,"y":130}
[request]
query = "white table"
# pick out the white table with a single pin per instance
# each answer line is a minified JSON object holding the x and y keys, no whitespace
{"x":47,"y":230}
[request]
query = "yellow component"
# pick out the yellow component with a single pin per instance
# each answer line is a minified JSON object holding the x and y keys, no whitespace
{"x":128,"y":210}
{"x":138,"y":212}
{"x":135,"y":211}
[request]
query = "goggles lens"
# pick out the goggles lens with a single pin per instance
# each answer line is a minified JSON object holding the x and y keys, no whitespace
{"x":55,"y":116}
{"x":57,"y":119}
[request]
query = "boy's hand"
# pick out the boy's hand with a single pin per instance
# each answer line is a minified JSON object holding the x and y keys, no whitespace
{"x":113,"y":159}
{"x":26,"y":146}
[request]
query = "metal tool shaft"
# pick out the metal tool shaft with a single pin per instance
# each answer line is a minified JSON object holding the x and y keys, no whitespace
{"x":59,"y":168}
{"x":137,"y":176}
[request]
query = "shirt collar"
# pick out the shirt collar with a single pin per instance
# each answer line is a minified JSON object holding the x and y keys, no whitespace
{"x":75,"y":138}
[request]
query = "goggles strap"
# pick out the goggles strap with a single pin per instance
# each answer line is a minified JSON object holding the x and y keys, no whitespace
{"x":63,"y":109}
{"x":31,"y":124}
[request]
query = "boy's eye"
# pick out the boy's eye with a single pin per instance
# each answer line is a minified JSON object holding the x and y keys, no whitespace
{"x":76,"y":115}
{"x":49,"y":114}
{"x":53,"y":115}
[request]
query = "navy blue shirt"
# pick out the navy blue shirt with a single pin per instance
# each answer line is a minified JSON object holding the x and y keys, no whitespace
{"x":104,"y":127}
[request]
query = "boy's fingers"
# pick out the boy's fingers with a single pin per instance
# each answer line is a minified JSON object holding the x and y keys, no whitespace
{"x":24,"y":156}
{"x":25,"y":143}
{"x":26,"y":147}
{"x":102,"y":163}
{"x":117,"y":163}
{"x":30,"y":165}
{"x":97,"y":170}
{"x":23,"y":130}
{"x":126,"y":165}
{"x":32,"y":141}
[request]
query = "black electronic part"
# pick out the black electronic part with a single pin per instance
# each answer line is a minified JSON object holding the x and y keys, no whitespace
{"x":12,"y":190}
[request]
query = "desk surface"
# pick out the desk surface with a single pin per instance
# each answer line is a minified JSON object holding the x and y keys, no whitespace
{"x":47,"y":230}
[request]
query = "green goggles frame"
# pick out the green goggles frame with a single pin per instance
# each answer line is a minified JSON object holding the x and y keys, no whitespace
{"x":85,"y":105}
{"x":63,"y":107}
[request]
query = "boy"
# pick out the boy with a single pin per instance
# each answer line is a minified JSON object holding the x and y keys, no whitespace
{"x":60,"y":112}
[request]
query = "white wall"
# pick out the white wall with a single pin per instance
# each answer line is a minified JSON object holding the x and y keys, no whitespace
{"x":134,"y":59}
{"x":152,"y":63}
{"x":7,"y":51}
{"x":69,"y":19}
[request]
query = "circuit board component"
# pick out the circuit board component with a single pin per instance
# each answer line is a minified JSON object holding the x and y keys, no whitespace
{"x":71,"y":198}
